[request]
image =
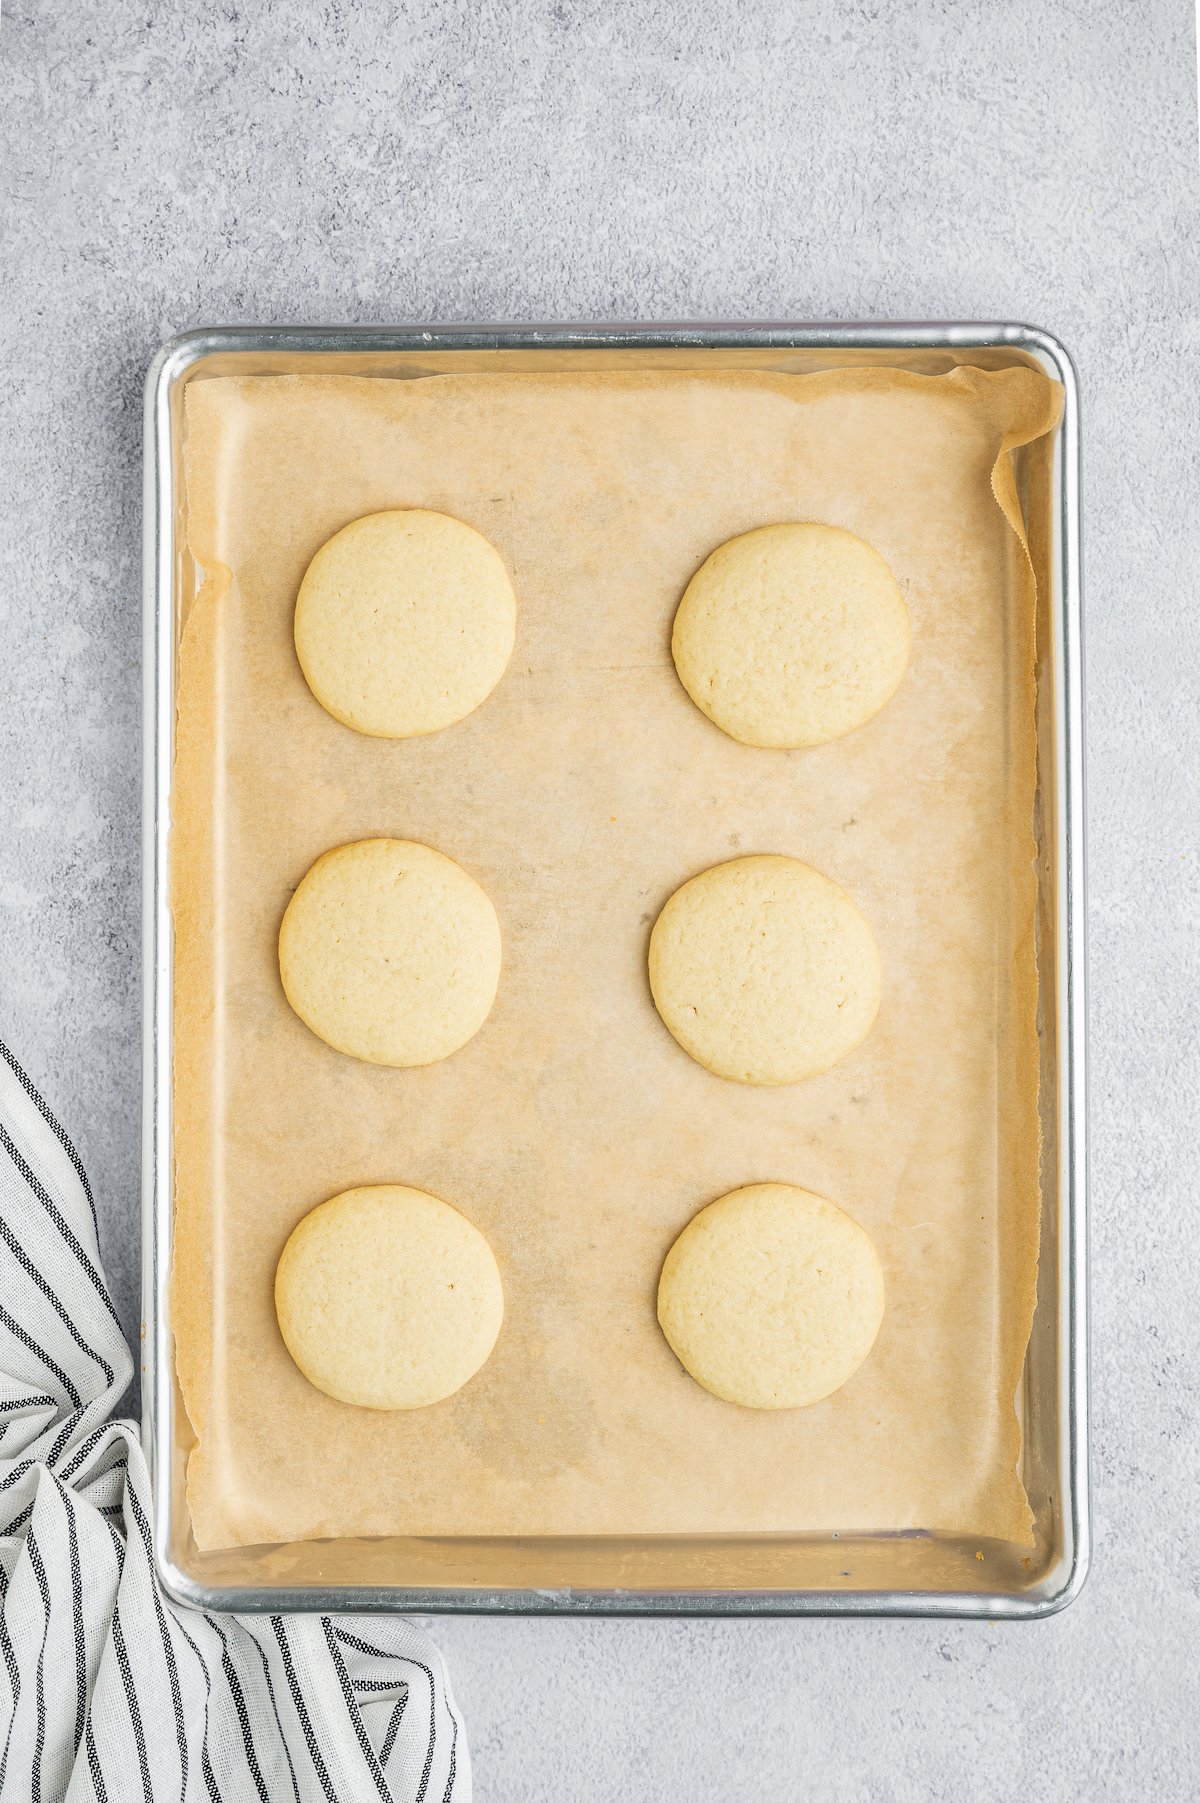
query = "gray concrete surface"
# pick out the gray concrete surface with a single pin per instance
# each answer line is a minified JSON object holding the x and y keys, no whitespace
{"x":168,"y":165}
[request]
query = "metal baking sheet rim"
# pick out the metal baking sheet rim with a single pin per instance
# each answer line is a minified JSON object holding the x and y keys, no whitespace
{"x":160,"y":564}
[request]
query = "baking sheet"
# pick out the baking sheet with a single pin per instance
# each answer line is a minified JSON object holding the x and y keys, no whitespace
{"x":573,"y":1130}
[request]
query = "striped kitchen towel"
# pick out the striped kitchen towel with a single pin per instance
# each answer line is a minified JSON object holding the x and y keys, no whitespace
{"x":107,"y":1691}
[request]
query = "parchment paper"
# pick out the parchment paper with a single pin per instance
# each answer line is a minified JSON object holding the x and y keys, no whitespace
{"x":573,"y":1130}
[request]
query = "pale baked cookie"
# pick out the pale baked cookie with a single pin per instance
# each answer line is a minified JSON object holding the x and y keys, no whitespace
{"x":404,"y":623}
{"x":791,"y":635}
{"x":764,"y":970}
{"x":388,"y":1298}
{"x":390,"y":952}
{"x":771,"y":1297}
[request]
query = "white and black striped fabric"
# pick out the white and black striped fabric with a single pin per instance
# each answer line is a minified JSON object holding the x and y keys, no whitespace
{"x":107,"y":1691}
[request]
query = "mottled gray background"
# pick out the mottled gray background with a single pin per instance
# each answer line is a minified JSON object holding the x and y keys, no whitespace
{"x":168,"y":164}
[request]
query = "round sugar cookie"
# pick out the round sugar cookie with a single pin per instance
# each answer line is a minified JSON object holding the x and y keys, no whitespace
{"x":764,"y":970}
{"x":390,"y":952}
{"x":405,"y":622}
{"x":791,"y":635}
{"x":388,"y":1298}
{"x":771,"y":1297}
